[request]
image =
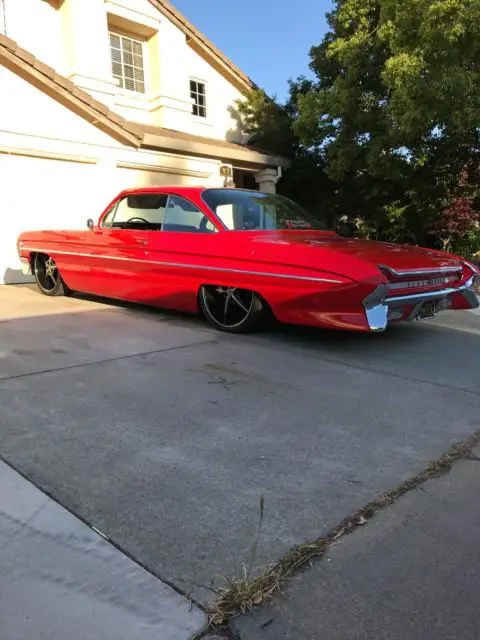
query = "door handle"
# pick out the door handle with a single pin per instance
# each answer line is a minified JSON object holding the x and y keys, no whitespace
{"x":142,"y":242}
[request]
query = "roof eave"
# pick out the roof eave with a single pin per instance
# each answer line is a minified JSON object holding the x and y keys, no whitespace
{"x":247,"y":157}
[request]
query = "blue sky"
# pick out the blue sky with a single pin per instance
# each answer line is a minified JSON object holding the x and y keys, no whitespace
{"x":268,"y":39}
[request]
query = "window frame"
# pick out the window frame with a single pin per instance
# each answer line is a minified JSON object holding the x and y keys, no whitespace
{"x":205,"y":215}
{"x":195,"y":94}
{"x":315,"y":223}
{"x":3,"y":18}
{"x":134,"y":39}
{"x":113,"y":210}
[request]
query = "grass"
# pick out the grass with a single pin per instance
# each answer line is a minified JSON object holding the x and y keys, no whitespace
{"x":241,"y":594}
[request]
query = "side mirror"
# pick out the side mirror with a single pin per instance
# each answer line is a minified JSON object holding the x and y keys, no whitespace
{"x":90,"y":223}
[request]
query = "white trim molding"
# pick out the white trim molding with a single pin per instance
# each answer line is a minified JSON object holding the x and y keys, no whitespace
{"x":124,"y":164}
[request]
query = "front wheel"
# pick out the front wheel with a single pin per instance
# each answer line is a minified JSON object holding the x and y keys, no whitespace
{"x":232,"y":309}
{"x":48,"y":277}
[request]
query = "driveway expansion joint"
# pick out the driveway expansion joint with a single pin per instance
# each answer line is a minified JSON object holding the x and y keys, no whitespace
{"x":79,"y":365}
{"x":243,"y":595}
{"x":125,"y":552}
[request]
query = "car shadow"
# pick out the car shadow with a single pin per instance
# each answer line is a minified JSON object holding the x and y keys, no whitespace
{"x":396,"y":336}
{"x":422,"y":351}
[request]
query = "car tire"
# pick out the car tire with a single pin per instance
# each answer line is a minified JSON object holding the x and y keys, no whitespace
{"x":245,"y":310}
{"x":47,"y":276}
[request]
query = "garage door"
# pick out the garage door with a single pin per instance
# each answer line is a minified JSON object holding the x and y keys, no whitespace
{"x":42,"y":194}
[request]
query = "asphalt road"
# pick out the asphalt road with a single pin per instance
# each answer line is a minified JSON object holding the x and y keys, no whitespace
{"x":164,"y":434}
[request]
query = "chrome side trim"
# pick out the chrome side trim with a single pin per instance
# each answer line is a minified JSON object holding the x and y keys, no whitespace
{"x":182,"y":265}
{"x":472,"y":267}
{"x":377,"y":304}
{"x":417,"y":272}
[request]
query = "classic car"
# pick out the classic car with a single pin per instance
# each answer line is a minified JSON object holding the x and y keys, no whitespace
{"x":240,"y":256}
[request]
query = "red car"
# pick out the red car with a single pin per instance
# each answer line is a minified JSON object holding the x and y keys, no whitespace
{"x":238,"y":256}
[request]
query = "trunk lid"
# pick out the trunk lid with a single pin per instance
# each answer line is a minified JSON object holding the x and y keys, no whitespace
{"x":395,"y":257}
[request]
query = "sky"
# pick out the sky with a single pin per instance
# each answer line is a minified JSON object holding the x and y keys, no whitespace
{"x":268,"y":39}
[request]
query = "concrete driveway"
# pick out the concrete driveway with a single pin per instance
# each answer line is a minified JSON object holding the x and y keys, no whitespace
{"x":164,"y":434}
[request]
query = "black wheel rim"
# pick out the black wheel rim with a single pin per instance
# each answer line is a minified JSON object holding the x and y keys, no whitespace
{"x":229,"y":307}
{"x":46,"y":272}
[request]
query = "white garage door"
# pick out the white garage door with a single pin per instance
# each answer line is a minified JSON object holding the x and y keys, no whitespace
{"x":42,"y":194}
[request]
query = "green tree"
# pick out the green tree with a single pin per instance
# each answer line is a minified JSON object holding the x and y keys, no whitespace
{"x":392,"y":117}
{"x":397,"y":100}
{"x":270,"y":127}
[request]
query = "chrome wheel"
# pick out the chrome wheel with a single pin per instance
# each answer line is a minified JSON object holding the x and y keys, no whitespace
{"x":230,"y":308}
{"x":47,"y":273}
{"x":227,"y":306}
{"x":48,"y":277}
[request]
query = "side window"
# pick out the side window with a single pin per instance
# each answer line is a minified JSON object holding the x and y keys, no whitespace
{"x":108,"y":217}
{"x":182,"y":215}
{"x":141,"y":211}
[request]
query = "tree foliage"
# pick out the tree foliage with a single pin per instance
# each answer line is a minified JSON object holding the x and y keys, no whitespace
{"x":458,"y":221}
{"x":391,"y":118}
{"x":270,"y":127}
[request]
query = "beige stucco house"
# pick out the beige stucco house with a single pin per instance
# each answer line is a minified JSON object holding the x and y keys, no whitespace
{"x":101,"y":95}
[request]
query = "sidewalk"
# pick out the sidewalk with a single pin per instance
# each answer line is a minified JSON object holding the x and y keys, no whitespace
{"x":412,"y":573}
{"x":59,"y":579}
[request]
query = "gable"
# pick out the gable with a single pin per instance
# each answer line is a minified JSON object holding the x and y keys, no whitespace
{"x":223,"y":121}
{"x":204,"y":47}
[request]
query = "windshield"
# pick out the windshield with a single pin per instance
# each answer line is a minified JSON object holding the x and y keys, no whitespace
{"x":252,"y":210}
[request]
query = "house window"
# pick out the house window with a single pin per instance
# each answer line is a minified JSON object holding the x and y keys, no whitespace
{"x":3,"y":21}
{"x":198,"y":95}
{"x":127,"y":62}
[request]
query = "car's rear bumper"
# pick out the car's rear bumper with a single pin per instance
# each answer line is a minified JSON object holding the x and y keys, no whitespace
{"x":380,"y":308}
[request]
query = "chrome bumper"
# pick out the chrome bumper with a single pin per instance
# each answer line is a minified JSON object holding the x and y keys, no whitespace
{"x":26,"y":266}
{"x":377,"y":305}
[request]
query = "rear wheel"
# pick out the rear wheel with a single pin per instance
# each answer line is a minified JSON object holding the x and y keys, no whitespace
{"x":48,"y":277}
{"x":232,"y":309}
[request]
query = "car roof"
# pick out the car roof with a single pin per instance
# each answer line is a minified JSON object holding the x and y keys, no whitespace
{"x":175,"y":189}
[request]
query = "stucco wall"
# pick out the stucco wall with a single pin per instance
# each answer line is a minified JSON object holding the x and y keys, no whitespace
{"x":36,"y":27}
{"x":24,"y":109}
{"x":74,"y":40}
{"x":222,"y":115}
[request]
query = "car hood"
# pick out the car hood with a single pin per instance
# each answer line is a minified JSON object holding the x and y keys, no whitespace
{"x":334,"y":248}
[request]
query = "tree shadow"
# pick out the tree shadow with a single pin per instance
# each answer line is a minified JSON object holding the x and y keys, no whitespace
{"x":237,"y":133}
